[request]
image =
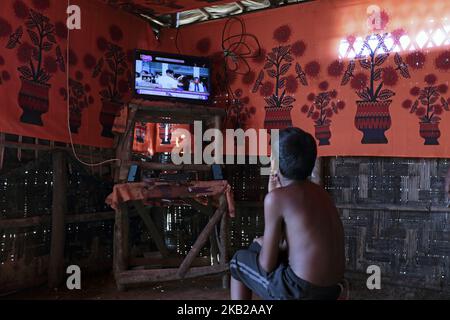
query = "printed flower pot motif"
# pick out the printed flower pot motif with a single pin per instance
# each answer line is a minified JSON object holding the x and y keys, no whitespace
{"x":373,"y":120}
{"x":324,"y":106}
{"x":429,"y":105}
{"x":34,"y":101}
{"x":111,"y":73}
{"x":278,"y":90}
{"x":75,"y":121}
{"x":108,"y":113}
{"x":430,"y":132}
{"x":278,"y":118}
{"x":38,"y":64}
{"x":323,"y":134}
{"x":79,"y":99}
{"x":372,"y":115}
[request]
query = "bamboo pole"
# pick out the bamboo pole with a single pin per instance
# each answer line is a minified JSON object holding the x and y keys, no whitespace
{"x":59,"y":211}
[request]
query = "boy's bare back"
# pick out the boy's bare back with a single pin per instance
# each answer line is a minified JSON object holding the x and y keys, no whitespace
{"x":314,"y":232}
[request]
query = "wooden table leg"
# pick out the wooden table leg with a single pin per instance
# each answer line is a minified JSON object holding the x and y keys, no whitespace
{"x":121,"y":251}
{"x":225,"y":244}
{"x":203,"y":237}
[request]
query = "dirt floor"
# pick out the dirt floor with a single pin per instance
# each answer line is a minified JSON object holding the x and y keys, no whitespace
{"x":103,"y":287}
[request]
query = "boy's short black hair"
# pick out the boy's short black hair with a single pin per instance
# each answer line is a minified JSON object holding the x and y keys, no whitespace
{"x":169,"y":71}
{"x":297,"y":153}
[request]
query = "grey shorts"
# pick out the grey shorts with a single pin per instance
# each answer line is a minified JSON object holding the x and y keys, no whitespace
{"x":280,"y":284}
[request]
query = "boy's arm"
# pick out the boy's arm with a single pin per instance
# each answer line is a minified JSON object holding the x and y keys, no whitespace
{"x":268,"y":257}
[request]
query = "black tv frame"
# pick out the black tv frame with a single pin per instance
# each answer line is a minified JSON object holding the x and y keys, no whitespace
{"x":204,"y":61}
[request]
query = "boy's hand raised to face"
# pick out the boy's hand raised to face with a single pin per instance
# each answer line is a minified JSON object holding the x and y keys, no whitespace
{"x":274,"y":182}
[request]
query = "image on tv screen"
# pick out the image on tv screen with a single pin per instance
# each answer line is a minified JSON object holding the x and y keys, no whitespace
{"x":182,"y":78}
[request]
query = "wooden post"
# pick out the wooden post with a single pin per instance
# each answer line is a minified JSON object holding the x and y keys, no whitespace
{"x":59,"y":210}
{"x":202,"y":238}
{"x":224,"y":242}
{"x":121,"y":226}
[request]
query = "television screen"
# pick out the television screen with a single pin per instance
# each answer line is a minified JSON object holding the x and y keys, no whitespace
{"x":173,"y":77}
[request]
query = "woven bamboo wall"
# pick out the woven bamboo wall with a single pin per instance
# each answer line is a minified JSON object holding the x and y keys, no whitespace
{"x":394,"y":216}
{"x":392,"y":209}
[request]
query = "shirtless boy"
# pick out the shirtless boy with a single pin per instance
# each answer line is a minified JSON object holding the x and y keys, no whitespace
{"x":301,"y":255}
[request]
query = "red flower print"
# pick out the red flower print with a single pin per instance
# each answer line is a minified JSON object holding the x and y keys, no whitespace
{"x":397,"y":34}
{"x":298,"y":48}
{"x":50,"y":64}
{"x":414,"y":91}
{"x":324,"y":85}
{"x":305,"y":108}
{"x":336,"y":68}
{"x":89,"y":61}
{"x":6,"y":76}
{"x":430,"y":79}
{"x":407,"y":104}
{"x":260,"y":56}
{"x":252,"y":110}
{"x":390,"y":76}
{"x":312,"y":69}
{"x":416,"y":60}
{"x":249,"y":77}
{"x":421,"y":112}
{"x":102,"y":44}
{"x":359,"y":81}
{"x":340,"y":105}
{"x":329,"y":113}
{"x":438,"y":109}
{"x":316,"y":115}
{"x":291,"y":84}
{"x":2,"y":61}
{"x":79,"y":75}
{"x":41,"y":4}
{"x":87,"y":88}
{"x":203,"y":45}
{"x":442,"y":88}
{"x":333,"y":94}
{"x":73,"y":58}
{"x":266,"y":89}
{"x":61,"y":30}
{"x":283,"y":33}
{"x":245,"y":100}
{"x":238,"y":93}
{"x":116,"y":33}
{"x":24,"y":52}
{"x":442,"y":61}
{"x":311,"y":97}
{"x":20,"y":9}
{"x":5,"y":28}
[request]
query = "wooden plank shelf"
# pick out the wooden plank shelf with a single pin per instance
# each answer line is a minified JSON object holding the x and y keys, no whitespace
{"x":169,"y":166}
{"x":141,"y":277}
{"x":151,"y":111}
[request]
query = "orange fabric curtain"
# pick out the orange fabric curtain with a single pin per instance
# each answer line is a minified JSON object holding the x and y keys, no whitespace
{"x":39,"y":84}
{"x":363,"y":79}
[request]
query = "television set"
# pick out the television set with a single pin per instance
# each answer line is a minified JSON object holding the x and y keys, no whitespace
{"x":166,"y":76}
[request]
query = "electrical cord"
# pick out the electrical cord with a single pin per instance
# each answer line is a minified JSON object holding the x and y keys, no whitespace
{"x":232,"y":50}
{"x":68,"y":112}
